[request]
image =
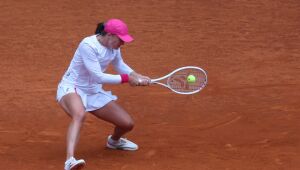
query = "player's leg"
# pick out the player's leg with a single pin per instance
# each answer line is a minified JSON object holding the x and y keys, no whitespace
{"x":72,"y":105}
{"x":116,"y":115}
{"x":123,"y":122}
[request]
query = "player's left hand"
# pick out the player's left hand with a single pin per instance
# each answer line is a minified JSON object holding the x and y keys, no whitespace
{"x":144,"y":80}
{"x":139,"y":80}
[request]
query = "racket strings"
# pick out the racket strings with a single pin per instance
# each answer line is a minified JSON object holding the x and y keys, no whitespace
{"x":178,"y":80}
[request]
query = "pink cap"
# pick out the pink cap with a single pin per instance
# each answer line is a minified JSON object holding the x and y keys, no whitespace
{"x":119,"y":28}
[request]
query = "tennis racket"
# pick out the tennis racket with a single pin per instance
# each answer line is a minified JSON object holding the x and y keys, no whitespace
{"x":178,"y":80}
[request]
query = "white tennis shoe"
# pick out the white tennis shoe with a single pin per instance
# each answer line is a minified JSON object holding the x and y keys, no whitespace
{"x":73,"y":164}
{"x":121,"y":144}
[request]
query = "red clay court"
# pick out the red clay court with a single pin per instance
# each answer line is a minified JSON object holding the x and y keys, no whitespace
{"x":247,"y":118}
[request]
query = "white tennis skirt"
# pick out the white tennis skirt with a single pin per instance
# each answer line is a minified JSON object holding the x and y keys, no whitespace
{"x":92,"y":99}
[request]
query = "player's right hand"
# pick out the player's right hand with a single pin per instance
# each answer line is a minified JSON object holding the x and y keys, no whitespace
{"x":136,"y":79}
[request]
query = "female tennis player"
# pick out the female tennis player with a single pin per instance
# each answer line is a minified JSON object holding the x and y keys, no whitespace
{"x":80,"y":89}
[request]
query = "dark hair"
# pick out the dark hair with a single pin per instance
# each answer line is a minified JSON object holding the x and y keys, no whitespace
{"x":100,"y":29}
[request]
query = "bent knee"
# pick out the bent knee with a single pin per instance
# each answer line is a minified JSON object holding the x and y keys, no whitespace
{"x":78,"y":117}
{"x":128,"y":126}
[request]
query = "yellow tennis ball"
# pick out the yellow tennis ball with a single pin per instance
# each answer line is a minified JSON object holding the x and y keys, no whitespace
{"x":191,"y":79}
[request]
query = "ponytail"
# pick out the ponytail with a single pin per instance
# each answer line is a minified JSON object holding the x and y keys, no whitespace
{"x":100,"y":29}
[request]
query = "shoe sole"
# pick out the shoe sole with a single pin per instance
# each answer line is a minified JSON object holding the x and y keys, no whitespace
{"x":78,"y":166}
{"x":121,"y":148}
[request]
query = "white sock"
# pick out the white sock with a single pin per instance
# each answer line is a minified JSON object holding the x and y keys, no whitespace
{"x":111,"y":141}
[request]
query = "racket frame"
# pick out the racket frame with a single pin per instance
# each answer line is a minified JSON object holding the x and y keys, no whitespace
{"x":156,"y":81}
